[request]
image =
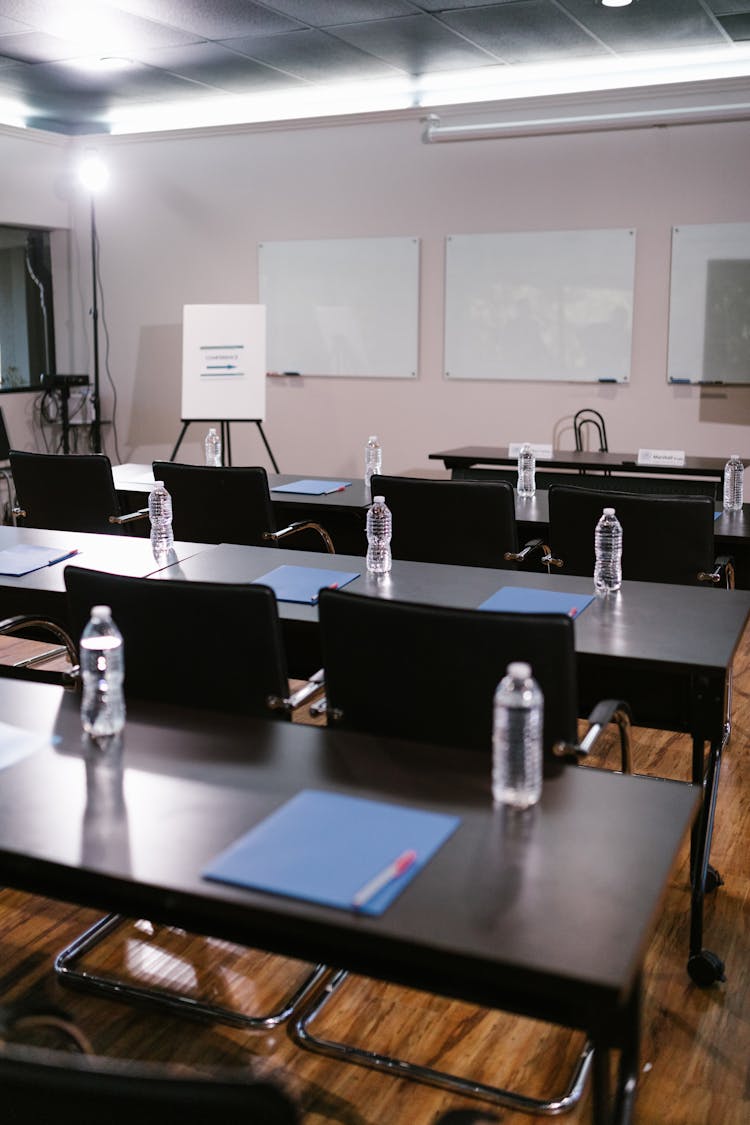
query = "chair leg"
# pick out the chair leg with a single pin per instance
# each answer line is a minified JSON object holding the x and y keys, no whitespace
{"x":69,"y":974}
{"x":300,"y":1032}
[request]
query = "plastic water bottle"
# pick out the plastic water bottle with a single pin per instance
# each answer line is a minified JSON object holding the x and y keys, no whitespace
{"x":517,"y":739}
{"x":608,"y":553}
{"x":373,"y":462}
{"x":160,"y":512}
{"x":213,"y":448}
{"x":734,"y":472}
{"x":102,"y":671}
{"x":526,"y":471}
{"x":379,"y":529}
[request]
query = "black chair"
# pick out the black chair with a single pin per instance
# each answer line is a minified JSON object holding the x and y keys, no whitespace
{"x":247,"y":677}
{"x":469,"y":523}
{"x":589,"y":417}
{"x":226,"y":505}
{"x":430,"y":675}
{"x":42,"y":1085}
{"x":68,"y":492}
{"x":665,"y":538}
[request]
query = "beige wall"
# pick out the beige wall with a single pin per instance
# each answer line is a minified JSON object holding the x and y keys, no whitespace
{"x":183,"y":216}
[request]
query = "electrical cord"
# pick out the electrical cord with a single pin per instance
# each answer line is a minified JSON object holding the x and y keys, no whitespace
{"x":107,"y":369}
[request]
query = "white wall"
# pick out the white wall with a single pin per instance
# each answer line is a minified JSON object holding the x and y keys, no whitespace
{"x":183,"y":216}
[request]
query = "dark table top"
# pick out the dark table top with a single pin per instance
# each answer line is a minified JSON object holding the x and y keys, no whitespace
{"x":119,"y":554}
{"x":469,"y":455}
{"x":132,"y":477}
{"x":677,"y":627}
{"x":550,"y":911}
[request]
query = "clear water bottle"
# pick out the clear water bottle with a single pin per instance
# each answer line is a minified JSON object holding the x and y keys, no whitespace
{"x":379,"y":528}
{"x":526,"y":471}
{"x":160,"y":512}
{"x":608,"y":553}
{"x":102,"y":672}
{"x":517,"y":739}
{"x":373,"y":462}
{"x":213,"y":448}
{"x":734,"y":472}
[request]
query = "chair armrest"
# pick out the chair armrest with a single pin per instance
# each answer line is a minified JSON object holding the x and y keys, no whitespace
{"x":9,"y":626}
{"x":519,"y":556}
{"x":301,"y":525}
{"x":16,"y":511}
{"x":549,"y":559}
{"x":605,"y":712}
{"x":130,"y":517}
{"x":292,"y":702}
{"x":722,"y":573}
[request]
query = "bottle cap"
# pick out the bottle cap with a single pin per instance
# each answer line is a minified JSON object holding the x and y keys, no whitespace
{"x":378,"y":499}
{"x":734,"y":456}
{"x":101,"y":612}
{"x":608,"y":511}
{"x":519,"y":670}
{"x":158,"y":484}
{"x":372,"y":437}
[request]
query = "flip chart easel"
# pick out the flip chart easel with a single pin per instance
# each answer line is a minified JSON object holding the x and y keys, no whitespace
{"x":224,"y":369}
{"x":226,"y":441}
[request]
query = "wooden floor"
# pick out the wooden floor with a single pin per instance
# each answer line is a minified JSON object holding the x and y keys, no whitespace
{"x":696,"y":1044}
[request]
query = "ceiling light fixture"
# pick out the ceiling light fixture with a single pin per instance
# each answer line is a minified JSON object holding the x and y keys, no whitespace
{"x":616,"y":3}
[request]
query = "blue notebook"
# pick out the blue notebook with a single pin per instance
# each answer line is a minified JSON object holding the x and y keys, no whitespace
{"x":304,"y":583}
{"x":27,"y":557}
{"x":313,"y":487}
{"x":525,"y":599}
{"x":327,"y":847}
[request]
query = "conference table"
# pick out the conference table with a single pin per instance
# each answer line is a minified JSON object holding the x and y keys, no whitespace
{"x":342,"y":513}
{"x":547,"y":914}
{"x":665,"y":649}
{"x":478,"y":461}
{"x":43,"y":591}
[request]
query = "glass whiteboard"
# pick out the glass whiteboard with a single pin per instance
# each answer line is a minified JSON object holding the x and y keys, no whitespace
{"x":344,"y":306}
{"x":709,"y":304}
{"x":551,"y":305}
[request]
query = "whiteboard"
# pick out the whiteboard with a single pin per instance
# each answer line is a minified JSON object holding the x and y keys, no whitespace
{"x":553,"y":305}
{"x":344,"y":306}
{"x":709,"y":304}
{"x":224,"y":363}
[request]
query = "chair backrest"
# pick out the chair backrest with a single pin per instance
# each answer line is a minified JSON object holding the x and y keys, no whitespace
{"x":589,"y":417}
{"x":469,"y":523}
{"x":664,"y":538}
{"x":40,"y":1085}
{"x":65,"y":492}
{"x":215,"y":646}
{"x":430,"y":672}
{"x":218,"y":504}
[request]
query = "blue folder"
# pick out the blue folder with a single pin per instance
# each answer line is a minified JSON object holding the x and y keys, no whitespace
{"x":325,"y":847}
{"x":27,"y":557}
{"x":529,"y":599}
{"x":304,"y":583}
{"x":309,"y":487}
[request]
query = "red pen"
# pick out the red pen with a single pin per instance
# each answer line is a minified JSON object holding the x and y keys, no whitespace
{"x":383,"y":878}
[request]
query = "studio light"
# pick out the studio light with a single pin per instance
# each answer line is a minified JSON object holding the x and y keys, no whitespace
{"x":93,"y":176}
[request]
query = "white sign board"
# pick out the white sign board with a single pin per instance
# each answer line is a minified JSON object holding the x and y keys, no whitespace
{"x":224,"y":363}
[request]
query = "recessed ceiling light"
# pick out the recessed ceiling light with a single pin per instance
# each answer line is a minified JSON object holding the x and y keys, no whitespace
{"x":100,"y":64}
{"x":616,"y":3}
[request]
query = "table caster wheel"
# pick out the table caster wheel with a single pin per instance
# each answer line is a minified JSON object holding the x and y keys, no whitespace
{"x":705,"y":968}
{"x":713,"y":879}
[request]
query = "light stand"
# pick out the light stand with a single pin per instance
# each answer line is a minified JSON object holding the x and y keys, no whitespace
{"x":93,"y":175}
{"x":96,"y":425}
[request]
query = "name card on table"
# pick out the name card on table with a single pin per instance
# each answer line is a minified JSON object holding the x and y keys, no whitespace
{"x":661,"y":456}
{"x":542,"y":451}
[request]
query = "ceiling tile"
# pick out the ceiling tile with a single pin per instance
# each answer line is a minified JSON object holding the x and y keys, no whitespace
{"x":415,"y":44}
{"x":212,"y":64}
{"x":648,"y":26}
{"x":213,"y":19}
{"x":312,"y":55}
{"x":328,"y":13}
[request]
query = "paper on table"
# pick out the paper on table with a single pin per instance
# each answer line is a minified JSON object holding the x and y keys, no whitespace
{"x":16,"y":744}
